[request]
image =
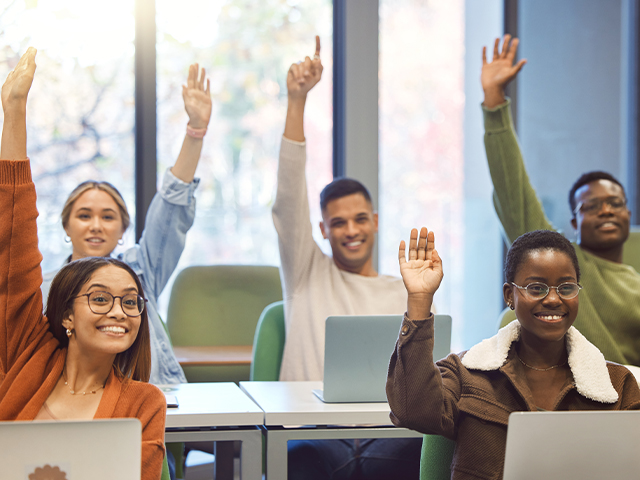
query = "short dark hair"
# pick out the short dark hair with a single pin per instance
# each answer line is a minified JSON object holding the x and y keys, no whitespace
{"x":341,"y":187}
{"x":537,"y":240}
{"x":135,"y":362}
{"x":588,"y":178}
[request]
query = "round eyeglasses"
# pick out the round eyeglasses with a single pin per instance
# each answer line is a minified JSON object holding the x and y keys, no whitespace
{"x":102,"y":302}
{"x":538,"y":290}
{"x":593,"y":206}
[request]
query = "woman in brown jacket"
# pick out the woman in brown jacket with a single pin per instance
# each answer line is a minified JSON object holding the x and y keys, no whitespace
{"x":538,"y":362}
{"x":89,"y":357}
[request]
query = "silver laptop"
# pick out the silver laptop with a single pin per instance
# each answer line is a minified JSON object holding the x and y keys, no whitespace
{"x":573,"y":445}
{"x":357,"y":349}
{"x":81,"y":450}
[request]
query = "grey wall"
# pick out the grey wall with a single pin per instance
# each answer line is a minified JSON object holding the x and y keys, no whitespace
{"x":570,"y":96}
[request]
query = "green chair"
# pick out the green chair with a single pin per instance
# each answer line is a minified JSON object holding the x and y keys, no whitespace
{"x":220,"y":305}
{"x":268,"y":344}
{"x":435,"y":461}
{"x":165,"y":470}
{"x":506,"y":317}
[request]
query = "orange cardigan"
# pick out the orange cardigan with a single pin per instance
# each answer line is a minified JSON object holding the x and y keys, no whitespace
{"x":31,"y":359}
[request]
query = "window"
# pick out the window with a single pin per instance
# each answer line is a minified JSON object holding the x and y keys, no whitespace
{"x":81,"y":109}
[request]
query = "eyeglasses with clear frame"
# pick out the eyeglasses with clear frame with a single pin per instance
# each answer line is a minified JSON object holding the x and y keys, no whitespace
{"x":539,"y":290}
{"x":102,"y":302}
{"x":594,"y":205}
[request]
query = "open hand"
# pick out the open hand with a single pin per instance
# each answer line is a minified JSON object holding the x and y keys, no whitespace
{"x":500,"y":71}
{"x":304,"y":75}
{"x":16,"y":86}
{"x":197,"y":100}
{"x":422,"y":273}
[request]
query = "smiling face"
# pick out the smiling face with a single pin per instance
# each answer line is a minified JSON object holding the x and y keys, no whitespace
{"x":103,"y":334}
{"x":94,"y":225}
{"x":549,"y":319}
{"x":350,"y":225}
{"x":605,"y":228}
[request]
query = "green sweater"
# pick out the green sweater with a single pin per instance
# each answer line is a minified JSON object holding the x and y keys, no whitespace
{"x":609,"y":314}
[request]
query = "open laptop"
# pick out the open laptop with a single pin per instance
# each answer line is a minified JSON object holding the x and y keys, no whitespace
{"x":585,"y":445}
{"x":357,"y":350}
{"x":79,"y":449}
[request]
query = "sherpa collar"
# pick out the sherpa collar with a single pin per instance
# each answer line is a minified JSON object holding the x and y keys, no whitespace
{"x":587,"y":364}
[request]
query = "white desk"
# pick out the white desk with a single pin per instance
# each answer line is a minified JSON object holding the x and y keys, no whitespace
{"x":217,"y":412}
{"x":293,"y":404}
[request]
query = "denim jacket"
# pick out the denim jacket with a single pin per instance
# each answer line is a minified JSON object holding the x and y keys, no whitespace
{"x":154,"y":259}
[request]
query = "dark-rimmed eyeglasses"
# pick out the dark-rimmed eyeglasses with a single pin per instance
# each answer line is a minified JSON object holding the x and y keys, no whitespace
{"x":594,"y":205}
{"x":102,"y":303}
{"x":539,"y":290}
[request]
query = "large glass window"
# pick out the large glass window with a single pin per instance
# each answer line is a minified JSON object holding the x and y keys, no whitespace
{"x":421,"y":134}
{"x":246,"y":48}
{"x":81,"y":108}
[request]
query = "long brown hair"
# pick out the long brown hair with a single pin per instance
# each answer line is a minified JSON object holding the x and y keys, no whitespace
{"x":135,"y":362}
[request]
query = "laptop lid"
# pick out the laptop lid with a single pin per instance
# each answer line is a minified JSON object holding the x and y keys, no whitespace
{"x":357,"y":351}
{"x":573,"y":445}
{"x":79,"y":449}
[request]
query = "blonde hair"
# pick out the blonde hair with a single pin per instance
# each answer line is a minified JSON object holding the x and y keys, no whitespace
{"x":105,"y":187}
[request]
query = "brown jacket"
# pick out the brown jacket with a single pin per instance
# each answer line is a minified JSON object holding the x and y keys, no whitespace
{"x":468,"y":397}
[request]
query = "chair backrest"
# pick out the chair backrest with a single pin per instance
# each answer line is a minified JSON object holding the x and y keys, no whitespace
{"x":268,"y":344}
{"x":435,"y":461}
{"x":220,"y":305}
{"x":506,"y":317}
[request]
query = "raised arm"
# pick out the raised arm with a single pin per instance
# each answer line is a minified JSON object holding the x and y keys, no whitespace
{"x":422,"y":396}
{"x":20,"y":274}
{"x":291,"y":209}
{"x":197,"y":103}
{"x":514,"y":199}
{"x":172,"y":210}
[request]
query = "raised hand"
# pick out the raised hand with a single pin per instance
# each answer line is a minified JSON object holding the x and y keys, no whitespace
{"x":197,"y":99}
{"x":500,"y":71}
{"x":421,"y":274}
{"x":304,"y":75}
{"x":16,"y":86}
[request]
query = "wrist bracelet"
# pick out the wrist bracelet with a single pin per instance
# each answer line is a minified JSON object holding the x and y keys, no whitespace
{"x":196,"y":132}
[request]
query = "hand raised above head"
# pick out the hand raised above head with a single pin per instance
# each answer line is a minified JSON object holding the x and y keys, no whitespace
{"x":197,"y":99}
{"x":303,"y":76}
{"x":422,"y":273}
{"x":16,"y":86}
{"x":501,"y":70}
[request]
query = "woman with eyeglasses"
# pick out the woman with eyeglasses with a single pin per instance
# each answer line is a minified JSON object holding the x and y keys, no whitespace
{"x":89,"y":356}
{"x":95,"y":217}
{"x":538,"y":362}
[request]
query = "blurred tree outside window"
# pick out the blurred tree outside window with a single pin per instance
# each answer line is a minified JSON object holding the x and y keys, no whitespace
{"x":81,"y":105}
{"x":246,"y":48}
{"x":421,"y":164}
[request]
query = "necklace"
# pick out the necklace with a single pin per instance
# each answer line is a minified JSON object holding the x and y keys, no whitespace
{"x":541,"y":369}
{"x":73,"y":392}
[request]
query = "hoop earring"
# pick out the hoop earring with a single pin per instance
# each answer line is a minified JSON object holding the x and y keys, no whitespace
{"x":67,"y":238}
{"x":121,"y":242}
{"x":510,"y":305}
{"x":69,"y":332}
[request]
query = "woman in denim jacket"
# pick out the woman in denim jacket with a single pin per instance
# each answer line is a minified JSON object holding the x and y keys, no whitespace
{"x":95,"y":217}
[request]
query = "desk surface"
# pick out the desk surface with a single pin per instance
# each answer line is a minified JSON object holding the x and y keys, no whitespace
{"x":293,"y":403}
{"x":214,"y":355}
{"x":211,"y":405}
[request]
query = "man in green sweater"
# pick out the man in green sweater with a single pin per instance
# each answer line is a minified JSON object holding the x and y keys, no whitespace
{"x":609,"y":314}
